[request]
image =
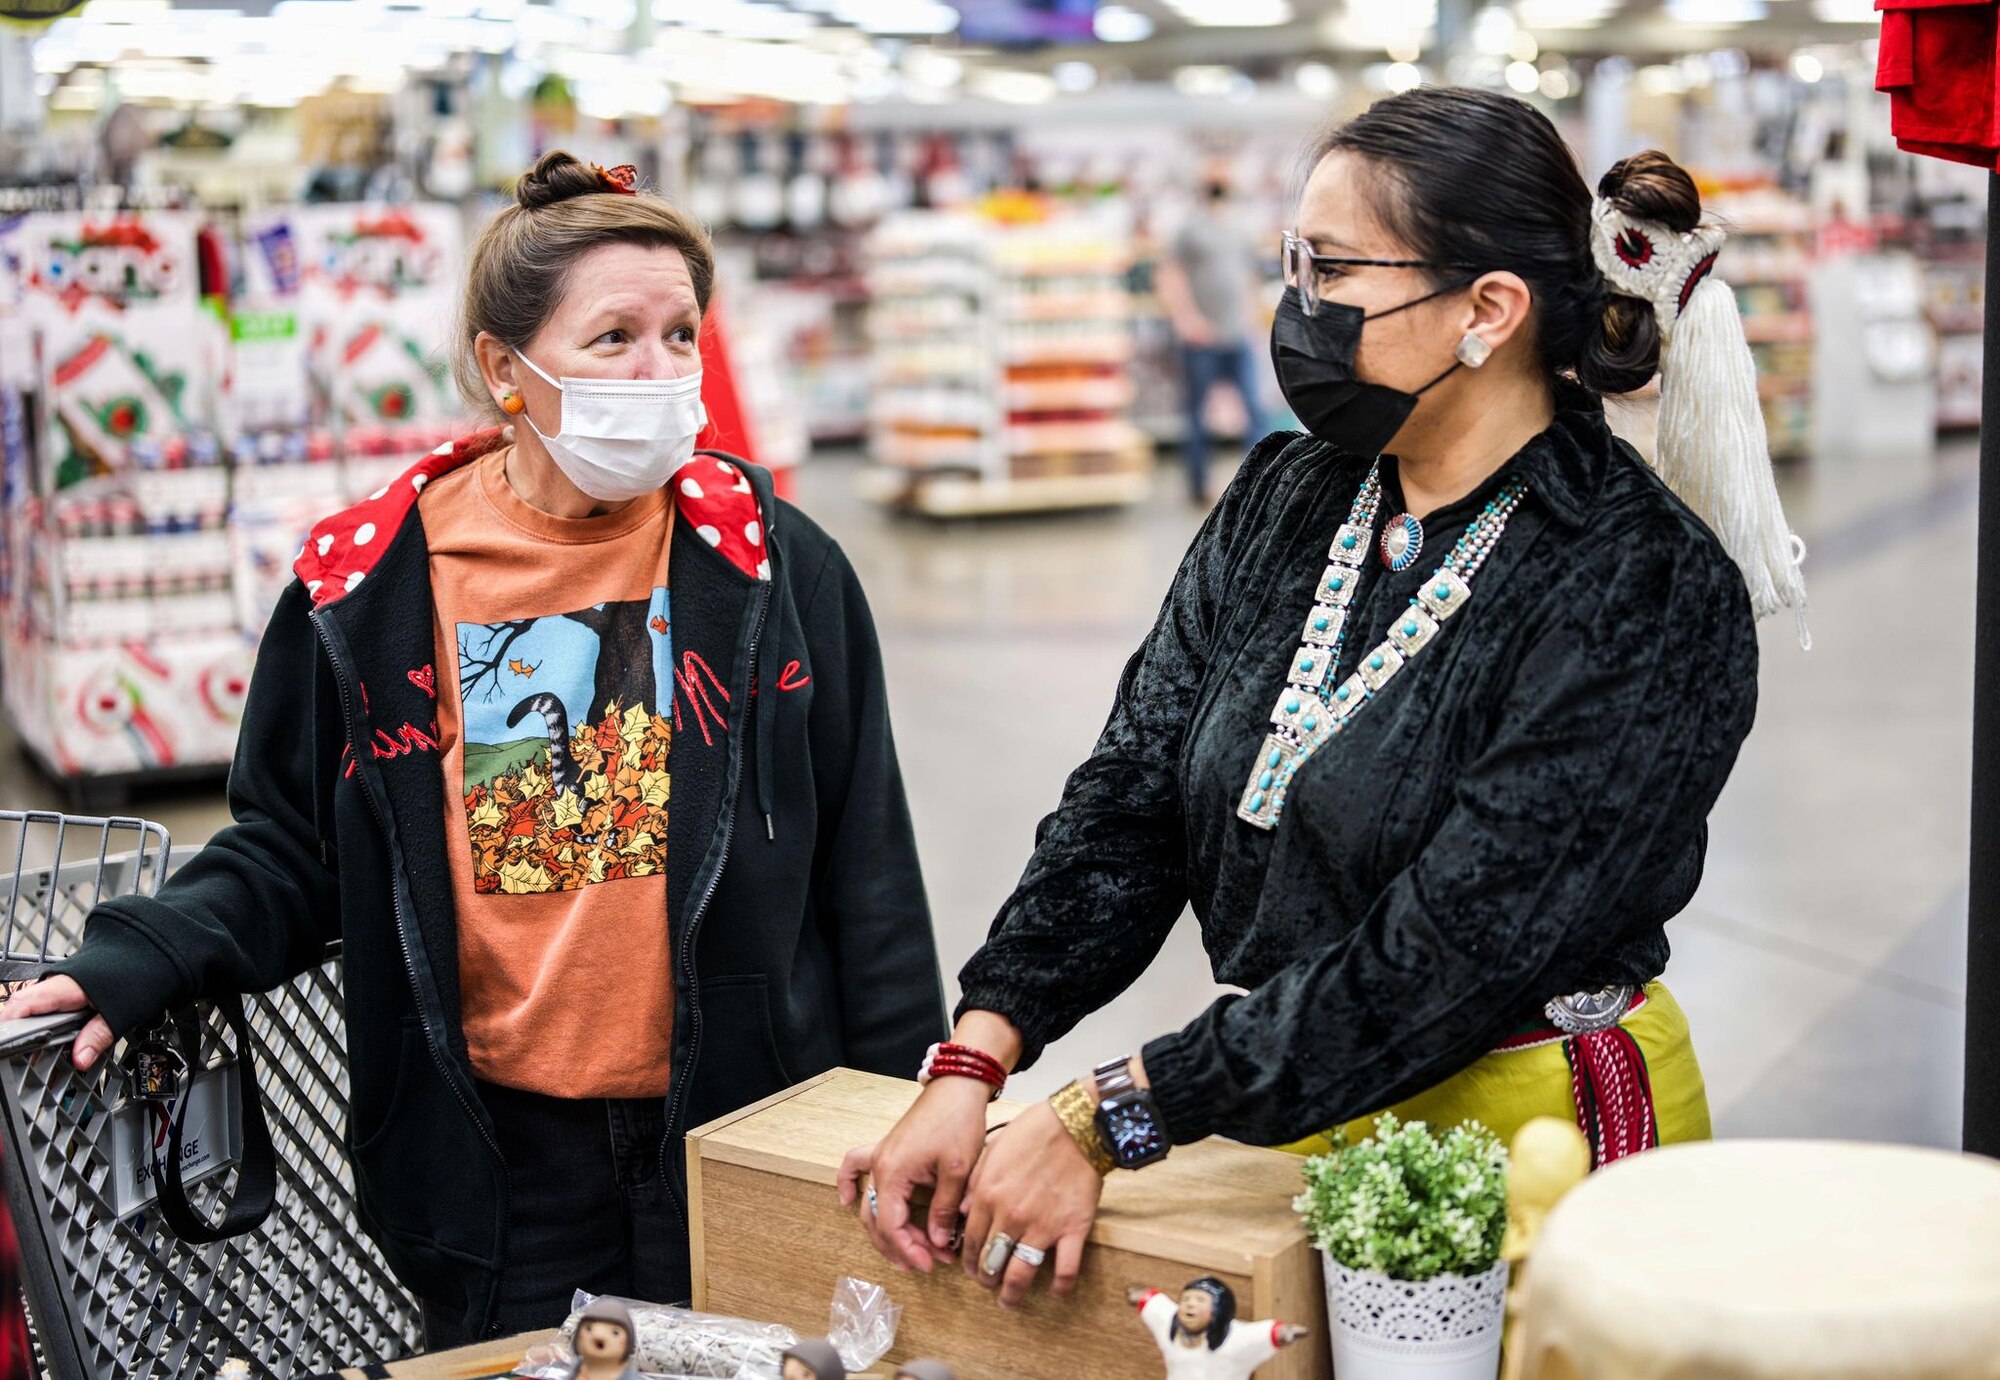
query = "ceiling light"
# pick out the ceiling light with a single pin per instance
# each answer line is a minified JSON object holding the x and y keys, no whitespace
{"x":1807,"y":68}
{"x":1662,"y":80}
{"x":1233,"y":14}
{"x":1117,"y":24}
{"x":1716,"y":14}
{"x":1074,"y":76}
{"x":1563,"y":14}
{"x":1493,"y":30}
{"x":1523,"y":77}
{"x":1403,"y":76}
{"x":1555,"y":84}
{"x":1404,"y":50}
{"x":926,"y":67}
{"x":897,"y":16}
{"x":1317,"y":81}
{"x":1014,"y":87}
{"x":1203,"y":80}
{"x":1522,"y":46}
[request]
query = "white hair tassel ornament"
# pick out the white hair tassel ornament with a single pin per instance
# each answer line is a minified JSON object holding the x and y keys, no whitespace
{"x":1712,"y":449}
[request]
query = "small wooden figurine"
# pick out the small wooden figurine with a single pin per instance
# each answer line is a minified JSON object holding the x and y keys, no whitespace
{"x":1548,"y":1158}
{"x":604,"y":1342}
{"x":814,"y":1359}
{"x":1200,"y":1336}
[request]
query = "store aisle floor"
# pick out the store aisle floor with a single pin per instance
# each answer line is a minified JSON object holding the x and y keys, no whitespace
{"x":1822,"y":963}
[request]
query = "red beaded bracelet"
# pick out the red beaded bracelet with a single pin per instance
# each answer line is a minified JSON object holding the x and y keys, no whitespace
{"x":962,"y":1061}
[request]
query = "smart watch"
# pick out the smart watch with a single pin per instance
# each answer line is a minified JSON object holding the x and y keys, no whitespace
{"x":1126,"y":1117}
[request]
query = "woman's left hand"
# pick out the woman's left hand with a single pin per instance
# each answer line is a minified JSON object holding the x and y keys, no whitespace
{"x":1034,"y":1185}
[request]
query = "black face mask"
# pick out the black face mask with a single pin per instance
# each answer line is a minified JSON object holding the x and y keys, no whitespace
{"x":1314,"y":357}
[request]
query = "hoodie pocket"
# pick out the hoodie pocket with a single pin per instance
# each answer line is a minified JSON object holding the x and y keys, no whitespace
{"x":739,"y":1050}
{"x":424,"y":1175}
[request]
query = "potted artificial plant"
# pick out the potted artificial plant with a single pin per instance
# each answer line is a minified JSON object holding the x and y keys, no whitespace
{"x":1409,"y":1223}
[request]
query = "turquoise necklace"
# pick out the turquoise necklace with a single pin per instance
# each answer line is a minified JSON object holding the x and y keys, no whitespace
{"x":1312,"y":709}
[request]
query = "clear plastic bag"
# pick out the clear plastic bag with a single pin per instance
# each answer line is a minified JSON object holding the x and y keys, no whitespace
{"x":863,"y":1325}
{"x":678,"y":1344}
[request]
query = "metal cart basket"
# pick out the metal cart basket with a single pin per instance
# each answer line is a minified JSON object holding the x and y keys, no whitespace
{"x":118,"y":1297}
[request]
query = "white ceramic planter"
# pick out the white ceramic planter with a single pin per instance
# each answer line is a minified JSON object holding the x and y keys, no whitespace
{"x":1447,"y":1328}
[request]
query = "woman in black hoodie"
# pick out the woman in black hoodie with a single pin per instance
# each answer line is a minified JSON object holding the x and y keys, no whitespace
{"x":576,"y":739}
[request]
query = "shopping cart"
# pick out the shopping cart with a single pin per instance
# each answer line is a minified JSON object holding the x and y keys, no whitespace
{"x":112,"y":1293}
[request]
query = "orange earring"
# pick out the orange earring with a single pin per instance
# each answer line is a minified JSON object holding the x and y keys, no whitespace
{"x":512,"y":405}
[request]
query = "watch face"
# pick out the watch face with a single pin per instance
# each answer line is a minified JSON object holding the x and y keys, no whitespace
{"x":1134,"y":1136}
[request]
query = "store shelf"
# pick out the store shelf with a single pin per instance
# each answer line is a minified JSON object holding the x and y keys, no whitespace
{"x":1793,"y":327}
{"x":1008,"y":386}
{"x":950,"y":496}
{"x":1112,"y":393}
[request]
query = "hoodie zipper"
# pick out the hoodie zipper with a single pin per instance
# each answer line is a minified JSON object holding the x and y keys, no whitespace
{"x":431,"y":1035}
{"x":701,"y":907}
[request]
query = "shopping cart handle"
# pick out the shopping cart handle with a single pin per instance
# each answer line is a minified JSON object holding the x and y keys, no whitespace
{"x":33,"y":1032}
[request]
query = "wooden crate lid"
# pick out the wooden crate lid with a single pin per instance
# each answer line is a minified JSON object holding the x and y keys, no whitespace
{"x":1215,"y":1205}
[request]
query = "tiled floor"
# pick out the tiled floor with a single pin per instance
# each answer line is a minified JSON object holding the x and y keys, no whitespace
{"x":1822,"y":963}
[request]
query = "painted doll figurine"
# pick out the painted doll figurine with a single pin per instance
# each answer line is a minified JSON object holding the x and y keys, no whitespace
{"x":604,"y":1342}
{"x":925,"y":1370}
{"x":814,"y":1359}
{"x":1200,"y":1336}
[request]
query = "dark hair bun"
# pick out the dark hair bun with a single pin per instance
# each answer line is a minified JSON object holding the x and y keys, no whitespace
{"x":1652,"y":186}
{"x":556,"y":176}
{"x":1623,"y":354}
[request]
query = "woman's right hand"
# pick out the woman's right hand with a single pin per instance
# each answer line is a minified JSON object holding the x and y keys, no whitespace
{"x":60,"y":993}
{"x":935,"y":1145}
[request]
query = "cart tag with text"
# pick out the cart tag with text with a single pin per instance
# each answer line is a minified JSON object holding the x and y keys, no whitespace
{"x":211,"y":1143}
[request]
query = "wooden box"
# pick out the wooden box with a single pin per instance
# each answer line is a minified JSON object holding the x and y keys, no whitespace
{"x":770,"y":1238}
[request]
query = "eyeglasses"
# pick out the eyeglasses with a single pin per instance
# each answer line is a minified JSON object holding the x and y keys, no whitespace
{"x":1310,"y":273}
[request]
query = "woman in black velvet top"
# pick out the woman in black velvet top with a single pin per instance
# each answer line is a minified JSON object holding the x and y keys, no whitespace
{"x":1508,"y":814}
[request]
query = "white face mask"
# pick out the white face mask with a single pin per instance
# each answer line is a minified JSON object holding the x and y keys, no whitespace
{"x":620,"y":439}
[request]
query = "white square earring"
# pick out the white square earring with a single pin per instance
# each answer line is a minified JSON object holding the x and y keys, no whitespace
{"x":1472,"y":351}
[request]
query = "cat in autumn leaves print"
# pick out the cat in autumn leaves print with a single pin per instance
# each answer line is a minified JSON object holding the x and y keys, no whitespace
{"x":568,"y":719}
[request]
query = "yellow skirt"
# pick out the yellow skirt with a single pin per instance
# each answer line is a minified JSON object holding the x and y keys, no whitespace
{"x":1511,"y":1086}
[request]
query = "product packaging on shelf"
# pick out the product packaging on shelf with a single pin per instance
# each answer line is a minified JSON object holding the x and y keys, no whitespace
{"x":376,"y":291}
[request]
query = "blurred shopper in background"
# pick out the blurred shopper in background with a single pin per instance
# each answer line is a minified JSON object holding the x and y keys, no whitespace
{"x":1208,"y":283}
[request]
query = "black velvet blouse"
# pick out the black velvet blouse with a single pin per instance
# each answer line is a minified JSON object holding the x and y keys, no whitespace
{"x":1516,"y":815}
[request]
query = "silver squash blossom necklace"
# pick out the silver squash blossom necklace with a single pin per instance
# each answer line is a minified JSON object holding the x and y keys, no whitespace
{"x":1312,"y":709}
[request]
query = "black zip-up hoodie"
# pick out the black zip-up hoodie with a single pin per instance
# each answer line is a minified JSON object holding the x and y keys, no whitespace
{"x":802,"y":934}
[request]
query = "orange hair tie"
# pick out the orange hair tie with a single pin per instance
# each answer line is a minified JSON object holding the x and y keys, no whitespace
{"x":623,"y":179}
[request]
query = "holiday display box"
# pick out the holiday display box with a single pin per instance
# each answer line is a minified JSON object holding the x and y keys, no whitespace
{"x":128,"y":360}
{"x":132,"y":706}
{"x":376,"y":296}
{"x":770,"y":1238}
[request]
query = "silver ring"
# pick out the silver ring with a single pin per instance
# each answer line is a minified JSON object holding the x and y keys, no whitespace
{"x":999,"y":1247}
{"x":1031,"y":1256}
{"x":873,"y":1202}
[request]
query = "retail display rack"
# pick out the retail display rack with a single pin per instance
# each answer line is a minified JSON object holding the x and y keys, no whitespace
{"x":181,"y":397}
{"x":1955,"y":302}
{"x":1003,"y":365}
{"x":1768,"y":261}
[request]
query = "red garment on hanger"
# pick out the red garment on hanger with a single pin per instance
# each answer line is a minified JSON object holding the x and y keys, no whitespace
{"x":1938,"y":64}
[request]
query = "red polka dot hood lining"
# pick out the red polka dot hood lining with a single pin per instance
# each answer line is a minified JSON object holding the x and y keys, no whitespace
{"x":714,"y":497}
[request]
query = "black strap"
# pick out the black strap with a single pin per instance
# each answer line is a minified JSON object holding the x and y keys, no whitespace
{"x":257,"y":1172}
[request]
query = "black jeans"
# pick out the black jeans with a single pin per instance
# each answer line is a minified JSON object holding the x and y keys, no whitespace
{"x":588,"y":1207}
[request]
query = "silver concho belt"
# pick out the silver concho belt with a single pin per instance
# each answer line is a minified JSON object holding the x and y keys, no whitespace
{"x":1580,"y":1013}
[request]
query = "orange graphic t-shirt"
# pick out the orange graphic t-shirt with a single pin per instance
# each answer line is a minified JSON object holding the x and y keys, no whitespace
{"x":555,"y":686}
